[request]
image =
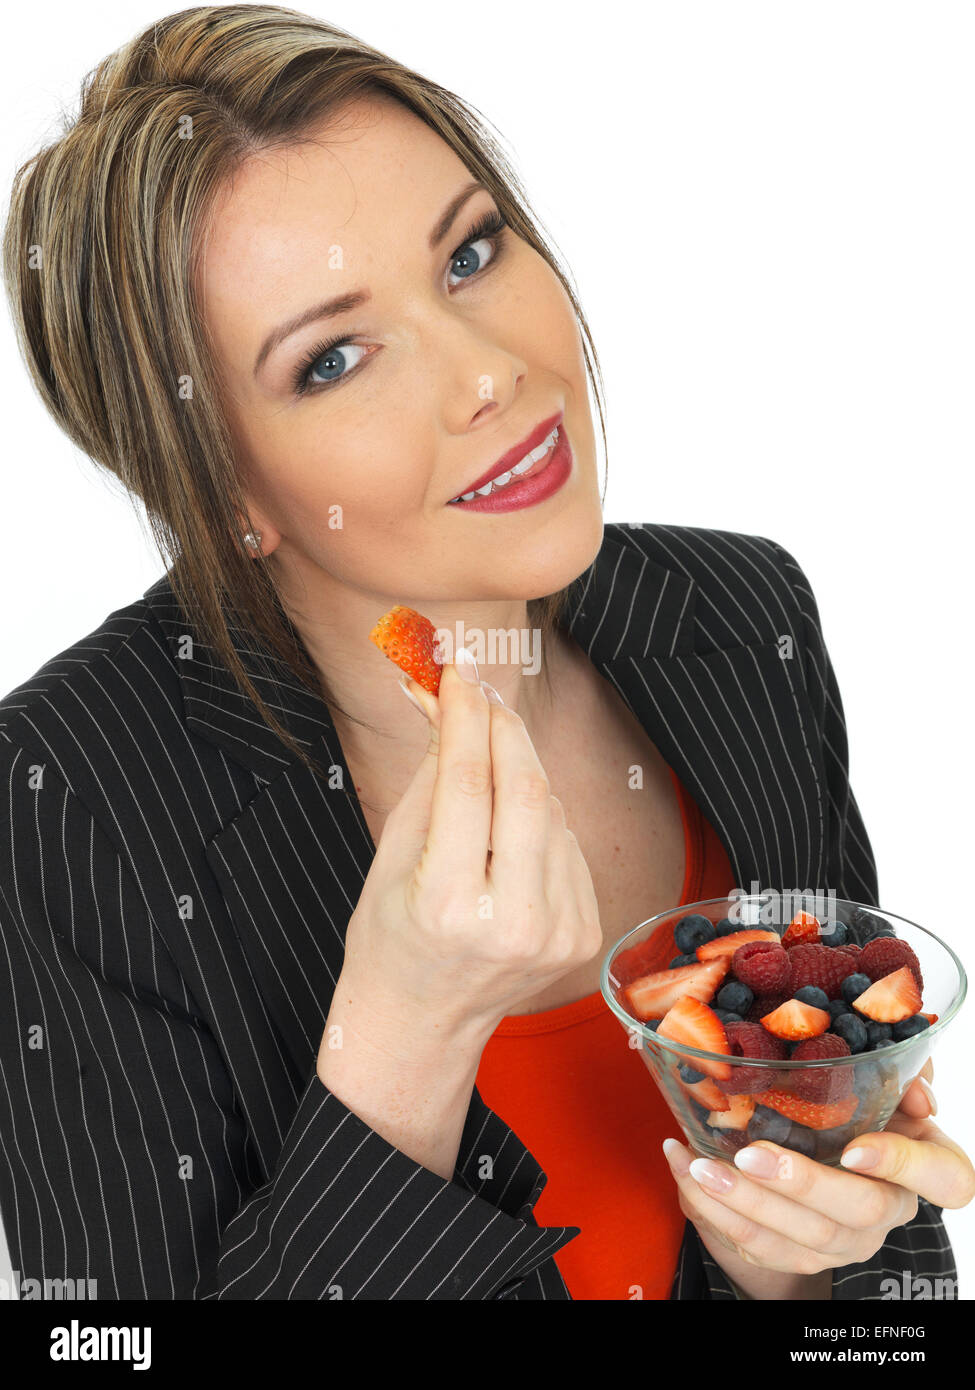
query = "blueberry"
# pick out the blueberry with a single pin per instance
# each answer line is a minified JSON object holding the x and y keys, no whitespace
{"x":688,"y":1074}
{"x":881,"y":1042}
{"x":735,"y":997}
{"x":852,"y":1030}
{"x":855,"y":985}
{"x":813,"y":995}
{"x":682,"y":960}
{"x":833,"y":934}
{"x":726,"y":927}
{"x":909,"y":1027}
{"x":653,"y":1024}
{"x":727,"y":1015}
{"x":768,"y":1124}
{"x":701,"y":1112}
{"x":837,"y":1007}
{"x":866,"y":927}
{"x":801,"y":1139}
{"x":878,"y":1032}
{"x":693,"y":931}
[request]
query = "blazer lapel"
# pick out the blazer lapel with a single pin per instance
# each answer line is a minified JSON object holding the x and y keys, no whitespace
{"x":735,"y":724}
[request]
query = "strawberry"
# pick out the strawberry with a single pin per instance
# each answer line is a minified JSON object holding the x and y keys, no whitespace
{"x":409,"y":640}
{"x":794,"y":1019}
{"x":706,"y":1092}
{"x":652,"y":995}
{"x":931,"y":1018}
{"x":764,"y":1004}
{"x":803,"y":927}
{"x":892,"y":998}
{"x":695,"y":1025}
{"x":728,"y":945}
{"x":808,"y":1112}
{"x":762,"y":965}
{"x":735,"y":1115}
{"x":884,"y":955}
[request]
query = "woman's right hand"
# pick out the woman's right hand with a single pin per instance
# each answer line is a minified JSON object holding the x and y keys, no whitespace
{"x":478,"y":896}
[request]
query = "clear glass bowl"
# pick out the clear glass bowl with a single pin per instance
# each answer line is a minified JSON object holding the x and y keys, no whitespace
{"x":864,"y":1089}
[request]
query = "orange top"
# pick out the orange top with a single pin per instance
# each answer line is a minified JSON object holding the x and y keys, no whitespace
{"x":582,"y":1101}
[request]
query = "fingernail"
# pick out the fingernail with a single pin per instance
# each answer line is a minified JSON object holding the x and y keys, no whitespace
{"x":466,"y":666}
{"x":709,"y":1175}
{"x":760,"y":1163}
{"x":860,"y":1158}
{"x":410,"y":696}
{"x":493,"y":697}
{"x":676,"y":1157}
{"x":930,"y":1095}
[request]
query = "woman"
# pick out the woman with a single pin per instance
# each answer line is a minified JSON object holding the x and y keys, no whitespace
{"x":272,"y":1035}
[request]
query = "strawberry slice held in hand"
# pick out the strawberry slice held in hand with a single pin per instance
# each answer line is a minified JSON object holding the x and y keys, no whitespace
{"x":891,"y":999}
{"x":652,"y":995}
{"x":410,"y":641}
{"x":695,"y":1025}
{"x":728,"y":945}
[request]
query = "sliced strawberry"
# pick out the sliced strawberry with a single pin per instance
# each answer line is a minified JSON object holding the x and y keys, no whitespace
{"x":803,"y":927}
{"x":891,"y":999}
{"x":931,"y":1018}
{"x":728,"y":945}
{"x":652,"y":995}
{"x":736,"y":1114}
{"x":707,"y":1093}
{"x":808,"y":1112}
{"x":409,"y":640}
{"x":695,"y":1025}
{"x":794,"y":1019}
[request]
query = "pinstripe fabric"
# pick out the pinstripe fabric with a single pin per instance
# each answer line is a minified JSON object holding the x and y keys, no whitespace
{"x":174,"y":890}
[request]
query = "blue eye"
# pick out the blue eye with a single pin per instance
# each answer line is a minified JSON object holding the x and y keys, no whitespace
{"x":333,"y":361}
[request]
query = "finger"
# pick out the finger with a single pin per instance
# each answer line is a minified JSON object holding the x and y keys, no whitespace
{"x":460,"y":814}
{"x":918,"y":1100}
{"x":521,"y":819}
{"x":934,"y":1167}
{"x":751,"y":1240}
{"x":841,"y":1196}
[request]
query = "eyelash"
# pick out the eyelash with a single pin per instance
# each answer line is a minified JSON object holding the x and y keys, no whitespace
{"x":492,"y":226}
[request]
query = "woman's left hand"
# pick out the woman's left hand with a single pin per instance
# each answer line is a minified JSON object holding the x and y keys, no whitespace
{"x":774,"y":1231}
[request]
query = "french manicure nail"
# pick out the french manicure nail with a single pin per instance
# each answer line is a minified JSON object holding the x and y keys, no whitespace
{"x":860,"y":1158}
{"x":466,"y":666}
{"x":930,"y":1095}
{"x":675,"y":1156}
{"x":758,"y":1163}
{"x":709,"y":1175}
{"x":410,"y":696}
{"x":493,"y":697}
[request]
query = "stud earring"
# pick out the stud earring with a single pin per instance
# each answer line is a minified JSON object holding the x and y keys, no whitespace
{"x":253,"y":539}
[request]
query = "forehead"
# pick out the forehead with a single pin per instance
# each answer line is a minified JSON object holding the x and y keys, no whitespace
{"x":359,"y":180}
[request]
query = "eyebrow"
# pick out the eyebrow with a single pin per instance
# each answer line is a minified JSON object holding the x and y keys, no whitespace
{"x":344,"y":303}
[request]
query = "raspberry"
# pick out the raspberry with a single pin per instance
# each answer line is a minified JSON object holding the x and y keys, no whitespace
{"x":765,"y":1004}
{"x":762,"y":966}
{"x":821,"y":1084}
{"x":825,"y":966}
{"x":752,"y":1040}
{"x":884,"y":955}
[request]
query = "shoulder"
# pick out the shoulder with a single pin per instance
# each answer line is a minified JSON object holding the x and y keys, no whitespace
{"x":747,"y":587}
{"x":92,"y":696}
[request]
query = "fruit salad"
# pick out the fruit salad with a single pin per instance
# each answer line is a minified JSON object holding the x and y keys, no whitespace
{"x":818,"y":991}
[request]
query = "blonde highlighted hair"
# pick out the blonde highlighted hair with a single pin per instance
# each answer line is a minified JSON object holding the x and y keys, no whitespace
{"x":101,"y":262}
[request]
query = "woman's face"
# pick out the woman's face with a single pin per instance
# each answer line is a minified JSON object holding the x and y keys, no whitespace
{"x":455,"y":354}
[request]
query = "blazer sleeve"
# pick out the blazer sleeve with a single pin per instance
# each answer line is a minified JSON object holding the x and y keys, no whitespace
{"x":919,"y":1250}
{"x":124,"y":1155}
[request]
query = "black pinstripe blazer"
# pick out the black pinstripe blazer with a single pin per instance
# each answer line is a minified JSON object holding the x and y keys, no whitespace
{"x":175,"y":890}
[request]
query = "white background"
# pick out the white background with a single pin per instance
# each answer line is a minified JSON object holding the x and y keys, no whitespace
{"x":768,"y":210}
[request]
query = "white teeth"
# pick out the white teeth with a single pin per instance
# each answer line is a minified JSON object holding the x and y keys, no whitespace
{"x":527,"y":462}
